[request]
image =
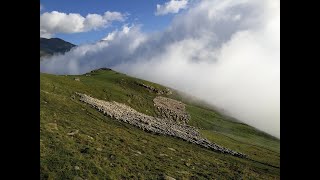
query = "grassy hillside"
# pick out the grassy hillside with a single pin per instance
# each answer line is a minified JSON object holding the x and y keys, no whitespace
{"x":78,"y":142}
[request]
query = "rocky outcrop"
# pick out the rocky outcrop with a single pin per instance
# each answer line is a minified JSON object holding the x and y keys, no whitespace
{"x":168,"y":127}
{"x":155,"y":90}
{"x":171,"y":109}
{"x":101,"y":69}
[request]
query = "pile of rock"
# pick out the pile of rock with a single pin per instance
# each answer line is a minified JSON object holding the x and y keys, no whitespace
{"x":171,"y":109}
{"x":126,"y":114}
{"x":155,"y":90}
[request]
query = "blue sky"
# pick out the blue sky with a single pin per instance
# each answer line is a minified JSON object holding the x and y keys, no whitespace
{"x":140,"y":12}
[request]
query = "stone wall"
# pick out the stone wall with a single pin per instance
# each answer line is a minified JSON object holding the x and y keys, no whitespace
{"x":168,"y":127}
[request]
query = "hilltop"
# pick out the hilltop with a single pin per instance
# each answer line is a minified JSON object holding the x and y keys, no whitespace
{"x":52,"y":46}
{"x":78,"y":141}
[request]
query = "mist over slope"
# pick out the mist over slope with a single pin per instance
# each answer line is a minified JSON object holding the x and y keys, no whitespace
{"x":225,"y":52}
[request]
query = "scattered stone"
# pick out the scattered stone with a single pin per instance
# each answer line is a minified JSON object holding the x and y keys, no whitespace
{"x":166,"y":177}
{"x":188,"y":164}
{"x":78,"y":178}
{"x":155,"y":90}
{"x":52,"y":126}
{"x":124,"y":113}
{"x":137,"y":152}
{"x":168,"y":91}
{"x":77,"y":79}
{"x":112,"y":165}
{"x":77,"y":168}
{"x":163,"y":155}
{"x":112,"y":157}
{"x":99,"y":149}
{"x":73,"y":133}
{"x":144,"y":141}
{"x":90,"y":137}
{"x":171,"y":149}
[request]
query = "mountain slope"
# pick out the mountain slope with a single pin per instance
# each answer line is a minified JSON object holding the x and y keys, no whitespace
{"x":53,"y":46}
{"x":78,"y":141}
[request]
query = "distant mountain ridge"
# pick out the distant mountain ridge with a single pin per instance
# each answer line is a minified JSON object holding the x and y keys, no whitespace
{"x":53,"y":46}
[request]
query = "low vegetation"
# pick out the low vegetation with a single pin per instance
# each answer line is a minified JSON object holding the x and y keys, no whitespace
{"x":78,"y":142}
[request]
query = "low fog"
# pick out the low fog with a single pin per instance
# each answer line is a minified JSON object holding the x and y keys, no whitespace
{"x":226,"y":52}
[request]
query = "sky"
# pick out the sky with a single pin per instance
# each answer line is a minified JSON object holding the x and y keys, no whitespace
{"x":225,"y":52}
{"x":139,"y":12}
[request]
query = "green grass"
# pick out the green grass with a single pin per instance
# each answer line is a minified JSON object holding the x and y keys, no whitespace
{"x":107,"y":149}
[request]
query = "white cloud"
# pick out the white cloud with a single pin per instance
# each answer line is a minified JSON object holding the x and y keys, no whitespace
{"x":58,"y":22}
{"x":225,"y":52}
{"x":237,"y":17}
{"x":116,"y":34}
{"x":173,"y":6}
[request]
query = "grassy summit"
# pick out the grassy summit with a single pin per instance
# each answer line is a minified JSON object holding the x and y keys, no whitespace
{"x":77,"y":141}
